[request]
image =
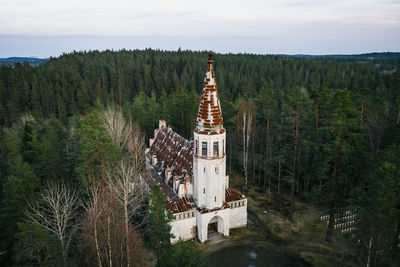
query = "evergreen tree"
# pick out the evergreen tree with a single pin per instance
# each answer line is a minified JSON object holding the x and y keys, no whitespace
{"x":20,"y":187}
{"x":95,"y":149}
{"x":159,"y":220}
{"x":181,"y":254}
{"x":36,"y":246}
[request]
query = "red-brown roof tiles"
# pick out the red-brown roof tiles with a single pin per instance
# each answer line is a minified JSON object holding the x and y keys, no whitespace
{"x":172,"y":150}
{"x":209,"y":116}
{"x":231,"y":194}
{"x":175,"y":203}
{"x":180,"y":204}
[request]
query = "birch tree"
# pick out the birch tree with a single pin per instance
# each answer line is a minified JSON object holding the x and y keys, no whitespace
{"x":126,"y":135}
{"x":125,"y":185}
{"x":245,"y":120}
{"x":106,"y":238}
{"x":123,"y":178}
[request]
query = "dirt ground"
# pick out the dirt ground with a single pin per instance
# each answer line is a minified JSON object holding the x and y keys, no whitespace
{"x":302,"y":238}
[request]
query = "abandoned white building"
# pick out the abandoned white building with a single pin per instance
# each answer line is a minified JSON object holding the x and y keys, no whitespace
{"x":193,"y":173}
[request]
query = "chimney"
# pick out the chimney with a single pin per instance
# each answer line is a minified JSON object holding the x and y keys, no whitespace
{"x":161,"y":124}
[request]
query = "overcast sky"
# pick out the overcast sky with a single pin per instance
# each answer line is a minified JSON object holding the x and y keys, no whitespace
{"x":45,"y":28}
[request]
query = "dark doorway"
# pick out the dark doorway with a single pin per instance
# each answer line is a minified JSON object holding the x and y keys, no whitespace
{"x":212,"y":227}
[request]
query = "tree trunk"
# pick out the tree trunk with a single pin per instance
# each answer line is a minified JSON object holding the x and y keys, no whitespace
{"x":109,"y":240}
{"x":316,"y":118}
{"x":362,"y":114}
{"x":230,"y":156}
{"x":102,"y":166}
{"x":291,"y":197}
{"x":332,"y":207}
{"x":279,"y":175}
{"x":260,"y":159}
{"x":293,"y":174}
{"x":127,"y":233}
{"x":254,"y":170}
{"x":295,"y":148}
{"x":375,"y":245}
{"x":97,"y":242}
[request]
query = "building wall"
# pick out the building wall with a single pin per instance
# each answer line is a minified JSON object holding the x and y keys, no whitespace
{"x":223,"y":217}
{"x":184,"y":228}
{"x":209,"y":172}
{"x":238,"y":216}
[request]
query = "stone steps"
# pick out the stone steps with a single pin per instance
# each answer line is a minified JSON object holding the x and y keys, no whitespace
{"x":215,"y":238}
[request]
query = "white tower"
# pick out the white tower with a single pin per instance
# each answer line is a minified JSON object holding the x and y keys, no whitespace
{"x":209,"y":159}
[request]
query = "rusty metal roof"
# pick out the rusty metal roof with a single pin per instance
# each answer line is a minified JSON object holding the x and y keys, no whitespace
{"x":175,"y":203}
{"x":180,"y":204}
{"x":151,"y":178}
{"x":232,"y":194}
{"x":209,"y":117}
{"x":172,"y":150}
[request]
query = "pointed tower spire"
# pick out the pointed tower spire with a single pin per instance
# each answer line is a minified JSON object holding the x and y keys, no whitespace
{"x":209,"y":117}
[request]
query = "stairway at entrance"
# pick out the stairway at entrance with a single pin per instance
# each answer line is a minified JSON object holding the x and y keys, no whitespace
{"x":215,"y":237}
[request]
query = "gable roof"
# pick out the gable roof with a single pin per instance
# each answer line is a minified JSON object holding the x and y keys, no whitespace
{"x":175,"y":203}
{"x":172,"y":150}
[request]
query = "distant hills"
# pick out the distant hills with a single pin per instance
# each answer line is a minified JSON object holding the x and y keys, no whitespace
{"x":10,"y":61}
{"x":375,"y":55}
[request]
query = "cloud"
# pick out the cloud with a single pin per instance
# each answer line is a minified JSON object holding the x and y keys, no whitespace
{"x":283,"y":19}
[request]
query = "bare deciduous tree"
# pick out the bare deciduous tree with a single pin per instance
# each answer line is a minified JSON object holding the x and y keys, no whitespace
{"x":126,"y":135}
{"x":245,"y":121}
{"x":107,"y":238}
{"x":123,"y":178}
{"x":129,"y":191}
{"x":55,"y":211}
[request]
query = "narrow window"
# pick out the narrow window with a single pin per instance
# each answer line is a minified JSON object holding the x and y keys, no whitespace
{"x":192,"y":213}
{"x":195,"y":147}
{"x":180,"y":216}
{"x":235,"y":204}
{"x":223,"y":146}
{"x":184,"y":216}
{"x":215,"y":199}
{"x":204,"y":190}
{"x":204,"y":169}
{"x":204,"y":149}
{"x":216,"y":150}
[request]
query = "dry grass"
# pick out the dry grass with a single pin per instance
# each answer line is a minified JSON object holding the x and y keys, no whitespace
{"x":303,"y":237}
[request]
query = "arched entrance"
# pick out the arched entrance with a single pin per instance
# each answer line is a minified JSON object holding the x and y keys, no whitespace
{"x":215,"y":227}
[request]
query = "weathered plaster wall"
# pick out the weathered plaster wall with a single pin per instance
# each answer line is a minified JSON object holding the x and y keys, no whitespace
{"x":238,"y":216}
{"x":184,"y":228}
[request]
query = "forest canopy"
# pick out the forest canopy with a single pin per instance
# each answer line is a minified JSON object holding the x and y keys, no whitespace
{"x":326,"y":130}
